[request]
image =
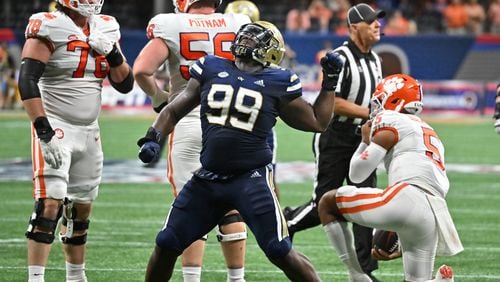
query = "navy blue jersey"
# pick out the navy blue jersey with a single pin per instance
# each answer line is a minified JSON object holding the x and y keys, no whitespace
{"x":238,"y":111}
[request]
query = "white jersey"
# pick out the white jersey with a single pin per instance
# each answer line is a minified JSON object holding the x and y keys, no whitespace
{"x":418,"y":156}
{"x":72,"y":81}
{"x":192,"y":36}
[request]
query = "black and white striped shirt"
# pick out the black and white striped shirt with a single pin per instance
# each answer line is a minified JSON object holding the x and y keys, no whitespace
{"x":361,"y":74}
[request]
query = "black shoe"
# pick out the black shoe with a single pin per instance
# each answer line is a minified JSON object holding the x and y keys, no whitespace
{"x":373,"y":278}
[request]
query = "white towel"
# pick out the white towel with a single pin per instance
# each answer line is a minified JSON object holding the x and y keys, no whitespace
{"x":449,"y":243}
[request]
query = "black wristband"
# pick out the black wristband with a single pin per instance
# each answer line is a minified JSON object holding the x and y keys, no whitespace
{"x":152,"y":135}
{"x":43,"y":129}
{"x":114,"y":57}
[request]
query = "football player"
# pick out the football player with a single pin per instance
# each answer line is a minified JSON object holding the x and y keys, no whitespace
{"x":67,"y":55}
{"x":413,"y":205}
{"x":195,"y":30}
{"x":239,"y":102}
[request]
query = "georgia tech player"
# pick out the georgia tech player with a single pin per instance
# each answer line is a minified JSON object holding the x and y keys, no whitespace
{"x":180,"y":39}
{"x":67,"y":55}
{"x":240,"y":102}
{"x":413,"y":204}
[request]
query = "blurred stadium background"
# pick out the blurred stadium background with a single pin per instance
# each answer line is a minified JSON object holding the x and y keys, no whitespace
{"x":459,"y":73}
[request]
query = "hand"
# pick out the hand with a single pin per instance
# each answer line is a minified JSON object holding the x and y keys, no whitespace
{"x":149,"y":152}
{"x":100,"y":42}
{"x":150,"y":146}
{"x":52,"y":152}
{"x":497,"y":125}
{"x":379,"y":254}
{"x":159,"y":100}
{"x":332,"y":64}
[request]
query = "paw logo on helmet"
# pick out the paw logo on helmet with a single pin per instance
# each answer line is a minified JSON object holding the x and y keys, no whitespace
{"x":393,"y":84}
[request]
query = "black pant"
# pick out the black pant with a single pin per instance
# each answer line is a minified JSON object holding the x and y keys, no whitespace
{"x":336,"y":147}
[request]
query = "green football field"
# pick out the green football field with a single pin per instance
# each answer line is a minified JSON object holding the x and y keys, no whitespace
{"x":126,"y":217}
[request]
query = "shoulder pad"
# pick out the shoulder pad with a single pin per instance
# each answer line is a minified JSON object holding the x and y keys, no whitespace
{"x":159,"y":26}
{"x":107,"y":25}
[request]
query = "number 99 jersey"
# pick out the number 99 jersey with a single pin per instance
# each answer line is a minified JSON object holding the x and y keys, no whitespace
{"x":192,"y":36}
{"x":72,"y":81}
{"x":238,"y":111}
{"x":418,"y":156}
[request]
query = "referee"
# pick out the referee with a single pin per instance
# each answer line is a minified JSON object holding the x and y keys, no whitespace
{"x":334,"y":148}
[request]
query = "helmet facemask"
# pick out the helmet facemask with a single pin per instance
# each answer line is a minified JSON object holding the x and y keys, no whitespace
{"x":83,"y":7}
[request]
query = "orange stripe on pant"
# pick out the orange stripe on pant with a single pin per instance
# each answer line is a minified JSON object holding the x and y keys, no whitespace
{"x":38,"y":165}
{"x":385,"y":196}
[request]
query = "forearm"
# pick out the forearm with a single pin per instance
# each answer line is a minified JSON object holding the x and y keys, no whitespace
{"x":147,"y":83}
{"x":34,"y":108}
{"x":365,"y":160}
{"x":119,"y":73}
{"x":346,"y":108}
{"x":323,"y":109}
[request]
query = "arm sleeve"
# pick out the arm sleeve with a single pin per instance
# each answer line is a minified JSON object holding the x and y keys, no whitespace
{"x":365,"y":160}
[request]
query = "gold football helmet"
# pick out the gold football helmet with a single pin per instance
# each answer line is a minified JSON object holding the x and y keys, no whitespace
{"x":269,"y":44}
{"x":244,"y":7}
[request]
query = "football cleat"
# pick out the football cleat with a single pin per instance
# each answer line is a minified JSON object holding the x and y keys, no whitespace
{"x":444,"y":273}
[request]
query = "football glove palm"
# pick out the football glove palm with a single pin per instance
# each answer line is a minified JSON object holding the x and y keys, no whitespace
{"x":100,"y":42}
{"x":52,"y":152}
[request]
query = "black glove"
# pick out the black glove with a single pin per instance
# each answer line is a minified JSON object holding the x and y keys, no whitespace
{"x":332,"y":64}
{"x":150,"y":146}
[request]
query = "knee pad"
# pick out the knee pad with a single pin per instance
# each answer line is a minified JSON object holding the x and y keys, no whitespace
{"x":275,"y":249}
{"x":228,"y":219}
{"x":69,"y":216}
{"x":37,"y":219}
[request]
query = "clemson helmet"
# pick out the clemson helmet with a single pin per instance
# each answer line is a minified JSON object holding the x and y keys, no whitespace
{"x":182,"y":6}
{"x":269,"y":44}
{"x":244,"y":7}
{"x":397,"y":92}
{"x":85,"y":8}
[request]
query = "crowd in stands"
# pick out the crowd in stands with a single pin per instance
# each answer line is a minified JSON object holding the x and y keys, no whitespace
{"x":404,"y":17}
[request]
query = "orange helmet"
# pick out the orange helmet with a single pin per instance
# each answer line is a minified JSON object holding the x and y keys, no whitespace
{"x":85,"y":8}
{"x":182,"y":6}
{"x":398,"y":92}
